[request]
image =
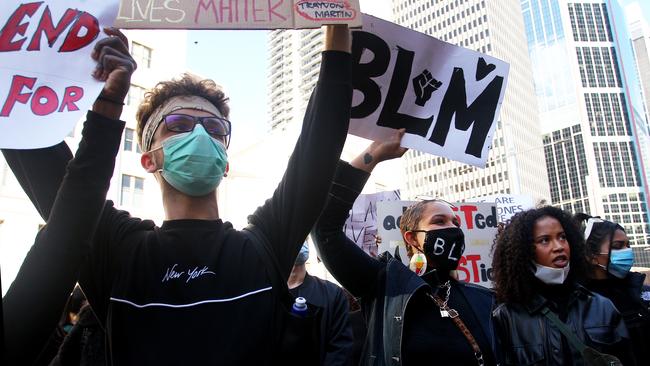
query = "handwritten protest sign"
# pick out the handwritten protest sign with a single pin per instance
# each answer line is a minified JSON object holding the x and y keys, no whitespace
{"x":46,"y":67}
{"x":446,"y":97}
{"x":361,"y":225}
{"x":508,"y":204}
{"x":478,"y":222}
{"x":236,"y":14}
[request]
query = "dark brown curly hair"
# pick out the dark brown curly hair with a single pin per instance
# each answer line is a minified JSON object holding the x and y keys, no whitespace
{"x":514,"y":253}
{"x":188,"y":85}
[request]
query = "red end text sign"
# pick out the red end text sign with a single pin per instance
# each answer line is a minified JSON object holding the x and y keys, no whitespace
{"x":45,"y":49}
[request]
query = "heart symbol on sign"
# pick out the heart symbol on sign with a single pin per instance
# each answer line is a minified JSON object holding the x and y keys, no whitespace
{"x":483,"y":69}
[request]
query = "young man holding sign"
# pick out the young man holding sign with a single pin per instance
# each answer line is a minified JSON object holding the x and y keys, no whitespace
{"x":196,"y":290}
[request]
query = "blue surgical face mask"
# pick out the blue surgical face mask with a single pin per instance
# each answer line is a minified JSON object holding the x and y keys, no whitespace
{"x":620,"y":262}
{"x":194,"y":163}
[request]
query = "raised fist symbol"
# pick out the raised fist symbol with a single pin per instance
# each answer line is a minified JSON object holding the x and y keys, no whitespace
{"x":424,"y":85}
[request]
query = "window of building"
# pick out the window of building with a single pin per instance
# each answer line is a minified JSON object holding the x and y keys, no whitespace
{"x":130,"y":143}
{"x":141,"y":54}
{"x":132,"y":191}
{"x":135,"y":95}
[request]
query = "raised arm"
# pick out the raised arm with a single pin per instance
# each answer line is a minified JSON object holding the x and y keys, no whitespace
{"x":290,"y":213}
{"x":35,"y":300}
{"x":350,"y":265}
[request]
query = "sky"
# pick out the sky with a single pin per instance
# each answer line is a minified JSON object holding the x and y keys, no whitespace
{"x":237,"y":60}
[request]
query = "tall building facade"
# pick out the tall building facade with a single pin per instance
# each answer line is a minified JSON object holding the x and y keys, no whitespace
{"x":516,"y":160}
{"x":131,"y":188}
{"x":294,"y":63}
{"x":590,"y":109}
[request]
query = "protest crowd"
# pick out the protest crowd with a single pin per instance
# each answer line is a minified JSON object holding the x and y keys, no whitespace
{"x":197,"y":291}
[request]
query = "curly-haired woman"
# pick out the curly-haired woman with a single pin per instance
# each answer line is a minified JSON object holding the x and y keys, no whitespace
{"x":611,"y":258}
{"x":538,"y":260}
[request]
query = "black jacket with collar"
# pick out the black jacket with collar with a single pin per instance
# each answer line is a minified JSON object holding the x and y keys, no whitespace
{"x":626,"y":295}
{"x":385,"y":313}
{"x":528,"y":338}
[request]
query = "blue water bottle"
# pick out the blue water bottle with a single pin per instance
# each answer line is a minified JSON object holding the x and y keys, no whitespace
{"x":300,"y":307}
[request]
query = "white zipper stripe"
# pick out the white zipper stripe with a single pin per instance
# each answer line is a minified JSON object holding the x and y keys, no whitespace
{"x":189,"y":305}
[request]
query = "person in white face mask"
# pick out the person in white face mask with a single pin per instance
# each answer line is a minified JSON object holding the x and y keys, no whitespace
{"x":539,"y":258}
{"x":611,"y":260}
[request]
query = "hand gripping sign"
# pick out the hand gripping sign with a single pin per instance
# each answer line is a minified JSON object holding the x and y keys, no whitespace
{"x":236,"y":14}
{"x":45,"y":49}
{"x":446,"y":97}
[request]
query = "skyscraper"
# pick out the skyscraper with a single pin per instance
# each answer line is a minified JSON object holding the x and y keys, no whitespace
{"x":294,"y":63}
{"x":516,"y":160}
{"x":590,"y":109}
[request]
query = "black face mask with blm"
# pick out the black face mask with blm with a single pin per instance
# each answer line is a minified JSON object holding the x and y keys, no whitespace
{"x":443,"y":248}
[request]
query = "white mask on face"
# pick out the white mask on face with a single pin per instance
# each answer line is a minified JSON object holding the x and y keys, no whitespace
{"x":550,"y":275}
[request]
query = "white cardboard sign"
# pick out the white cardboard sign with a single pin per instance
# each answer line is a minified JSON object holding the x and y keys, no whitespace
{"x":508,"y":204}
{"x":446,"y":97}
{"x":478,"y":222}
{"x":236,"y":14}
{"x":46,"y":67}
{"x":361,"y":225}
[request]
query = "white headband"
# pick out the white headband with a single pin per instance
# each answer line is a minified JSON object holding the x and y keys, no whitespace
{"x":590,"y":225}
{"x":171,"y":105}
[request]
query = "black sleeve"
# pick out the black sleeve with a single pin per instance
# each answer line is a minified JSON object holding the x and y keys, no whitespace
{"x":351,"y":266}
{"x":40,"y":173}
{"x":623,"y":349}
{"x":339,"y":342}
{"x":288,"y":216}
{"x":501,"y":336}
{"x":34,"y":302}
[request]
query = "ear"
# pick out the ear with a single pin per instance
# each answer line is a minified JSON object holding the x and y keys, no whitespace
{"x":147,"y":162}
{"x":410,"y":238}
{"x":227,"y":168}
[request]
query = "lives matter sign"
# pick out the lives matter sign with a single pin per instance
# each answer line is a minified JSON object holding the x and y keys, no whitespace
{"x":477,"y":220}
{"x":45,"y":71}
{"x":236,"y":14}
{"x":446,"y":97}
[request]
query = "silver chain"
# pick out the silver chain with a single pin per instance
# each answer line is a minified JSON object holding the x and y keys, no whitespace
{"x":448,"y":286}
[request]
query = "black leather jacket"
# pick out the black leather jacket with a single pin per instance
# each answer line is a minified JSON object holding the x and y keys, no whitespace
{"x":528,"y":338}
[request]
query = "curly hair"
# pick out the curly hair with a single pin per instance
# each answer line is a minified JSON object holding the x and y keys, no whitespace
{"x":514,"y":253}
{"x":189,"y":85}
{"x":600,"y":232}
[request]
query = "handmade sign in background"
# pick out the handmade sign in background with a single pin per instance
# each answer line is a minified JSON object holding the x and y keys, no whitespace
{"x":508,"y":204}
{"x":46,"y":67}
{"x":477,"y":220}
{"x":446,"y":97}
{"x":236,"y":14}
{"x":361,"y":225}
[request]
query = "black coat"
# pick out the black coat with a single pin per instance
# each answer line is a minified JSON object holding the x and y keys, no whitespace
{"x":336,"y":332}
{"x":528,"y":338}
{"x":626,"y":295}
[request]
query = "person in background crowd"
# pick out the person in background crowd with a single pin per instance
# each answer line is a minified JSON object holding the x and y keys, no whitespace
{"x":33,"y":305}
{"x":194,"y":290}
{"x":84,"y":343}
{"x":336,"y":334}
{"x":415,"y":316}
{"x":611,"y":258}
{"x":538,"y":261}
